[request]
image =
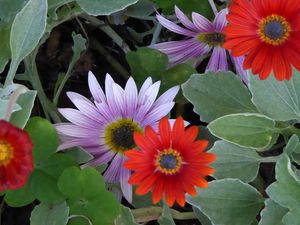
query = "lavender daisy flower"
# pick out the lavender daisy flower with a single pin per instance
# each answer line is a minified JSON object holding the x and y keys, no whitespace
{"x":105,"y":126}
{"x":203,"y":36}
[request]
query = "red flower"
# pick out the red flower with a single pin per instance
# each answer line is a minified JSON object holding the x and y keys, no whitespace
{"x":16,"y":161}
{"x":267,"y":32}
{"x":170,"y":163}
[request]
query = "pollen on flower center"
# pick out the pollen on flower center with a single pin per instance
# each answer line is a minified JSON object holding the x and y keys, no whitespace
{"x":212,"y":39}
{"x":118,"y":135}
{"x":168,"y":161}
{"x":274,"y":29}
{"x":6,"y":152}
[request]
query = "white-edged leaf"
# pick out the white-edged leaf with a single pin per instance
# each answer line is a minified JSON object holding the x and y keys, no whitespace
{"x":228,"y":202}
{"x":235,"y":162}
{"x":279,"y":100}
{"x":250,"y":130}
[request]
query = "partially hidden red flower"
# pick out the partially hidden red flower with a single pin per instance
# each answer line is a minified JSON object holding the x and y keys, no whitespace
{"x":170,"y":162}
{"x":16,"y":160}
{"x":268,"y":33}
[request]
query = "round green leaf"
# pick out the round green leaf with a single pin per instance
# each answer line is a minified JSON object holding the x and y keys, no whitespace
{"x":235,"y":162}
{"x":19,"y":197}
{"x":102,"y":7}
{"x":249,"y":130}
{"x":278,"y":100}
{"x":44,"y":187}
{"x":217,"y":94}
{"x":43,"y":136}
{"x":176,"y":76}
{"x":146,"y":62}
{"x":87,"y":196}
{"x":50,"y":214}
{"x":228,"y":202}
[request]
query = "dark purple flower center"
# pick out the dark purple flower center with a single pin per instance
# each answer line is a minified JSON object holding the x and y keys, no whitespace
{"x":212,"y":39}
{"x":123,"y":136}
{"x":168,"y":161}
{"x":274,"y":29}
{"x":118,"y":135}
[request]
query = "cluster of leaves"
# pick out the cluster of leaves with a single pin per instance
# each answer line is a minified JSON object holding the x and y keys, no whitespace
{"x":249,"y":121}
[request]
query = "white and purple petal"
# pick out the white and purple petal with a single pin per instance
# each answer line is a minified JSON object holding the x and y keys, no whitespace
{"x":220,"y":20}
{"x":174,"y":27}
{"x":218,"y":60}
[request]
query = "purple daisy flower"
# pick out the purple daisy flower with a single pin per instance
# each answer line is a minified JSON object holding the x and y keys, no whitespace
{"x":203,"y":36}
{"x":104,"y":127}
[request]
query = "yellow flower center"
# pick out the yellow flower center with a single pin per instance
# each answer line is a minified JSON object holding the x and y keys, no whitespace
{"x":6,"y":152}
{"x":212,"y":39}
{"x":118,"y":135}
{"x":168,"y":161}
{"x":274,"y":29}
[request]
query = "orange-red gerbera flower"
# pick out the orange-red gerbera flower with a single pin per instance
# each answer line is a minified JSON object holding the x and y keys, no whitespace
{"x":169,"y":163}
{"x":16,"y":161}
{"x":268,"y":33}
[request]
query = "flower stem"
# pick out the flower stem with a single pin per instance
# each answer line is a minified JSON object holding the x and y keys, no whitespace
{"x":213,"y":6}
{"x":142,"y":215}
{"x":270,"y":159}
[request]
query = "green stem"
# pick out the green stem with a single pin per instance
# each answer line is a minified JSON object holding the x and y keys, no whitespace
{"x":270,"y":159}
{"x":63,"y":82}
{"x":109,"y":58}
{"x":48,"y":108}
{"x":108,"y":30}
{"x":11,"y":74}
{"x":142,"y":215}
{"x":156,"y":33}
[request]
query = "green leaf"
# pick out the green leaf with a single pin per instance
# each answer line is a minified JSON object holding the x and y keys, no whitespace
{"x":235,"y":162}
{"x":125,"y":218}
{"x":248,"y":130}
{"x":9,"y":8}
{"x":286,"y":190}
{"x":141,"y":201}
{"x":201,"y":217}
{"x":45,"y":188}
{"x":166,"y":217}
{"x":26,"y":101}
{"x":146,"y":62}
{"x":228,"y":202}
{"x":26,"y":31}
{"x":176,"y":75}
{"x":278,"y":100}
{"x":19,"y":197}
{"x":140,"y":9}
{"x":53,"y":5}
{"x":292,"y":146}
{"x":102,"y":7}
{"x":45,"y":176}
{"x":50,"y":214}
{"x":43,"y":136}
{"x":205,"y":134}
{"x":87,"y":196}
{"x":272,"y":214}
{"x":78,"y":48}
{"x":79,"y":154}
{"x":4,"y":46}
{"x":217,"y":94}
{"x":3,"y":106}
